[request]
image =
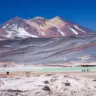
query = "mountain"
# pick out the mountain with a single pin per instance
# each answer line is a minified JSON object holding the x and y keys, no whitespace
{"x":40,"y":27}
{"x":43,"y":41}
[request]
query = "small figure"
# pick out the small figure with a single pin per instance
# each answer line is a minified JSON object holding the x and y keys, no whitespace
{"x":84,"y":70}
{"x":7,"y":73}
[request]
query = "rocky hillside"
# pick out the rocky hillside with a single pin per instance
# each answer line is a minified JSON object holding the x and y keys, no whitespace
{"x":43,"y":41}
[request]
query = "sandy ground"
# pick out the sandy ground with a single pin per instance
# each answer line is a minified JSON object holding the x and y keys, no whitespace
{"x":82,"y":74}
{"x":48,"y":84}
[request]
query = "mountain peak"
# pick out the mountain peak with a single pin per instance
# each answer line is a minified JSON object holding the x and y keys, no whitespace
{"x":38,"y":20}
{"x":58,"y":17}
{"x":16,"y":19}
{"x":13,"y":20}
{"x":38,"y":17}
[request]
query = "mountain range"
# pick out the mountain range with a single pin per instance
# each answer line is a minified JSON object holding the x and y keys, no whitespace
{"x":46,"y":41}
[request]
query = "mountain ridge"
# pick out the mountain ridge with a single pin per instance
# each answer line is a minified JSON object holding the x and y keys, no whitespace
{"x":40,"y":27}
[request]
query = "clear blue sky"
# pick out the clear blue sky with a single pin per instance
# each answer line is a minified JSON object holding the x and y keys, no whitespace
{"x":82,"y":12}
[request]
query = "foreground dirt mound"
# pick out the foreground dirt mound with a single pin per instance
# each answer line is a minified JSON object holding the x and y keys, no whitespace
{"x":47,"y":85}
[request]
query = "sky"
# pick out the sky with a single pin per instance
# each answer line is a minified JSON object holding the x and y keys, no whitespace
{"x":82,"y":12}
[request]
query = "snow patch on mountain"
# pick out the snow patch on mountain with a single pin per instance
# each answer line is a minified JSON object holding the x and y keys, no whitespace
{"x":23,"y":33}
{"x":15,"y":30}
{"x":79,"y":28}
{"x":5,"y":26}
{"x":62,"y":33}
{"x":75,"y":32}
